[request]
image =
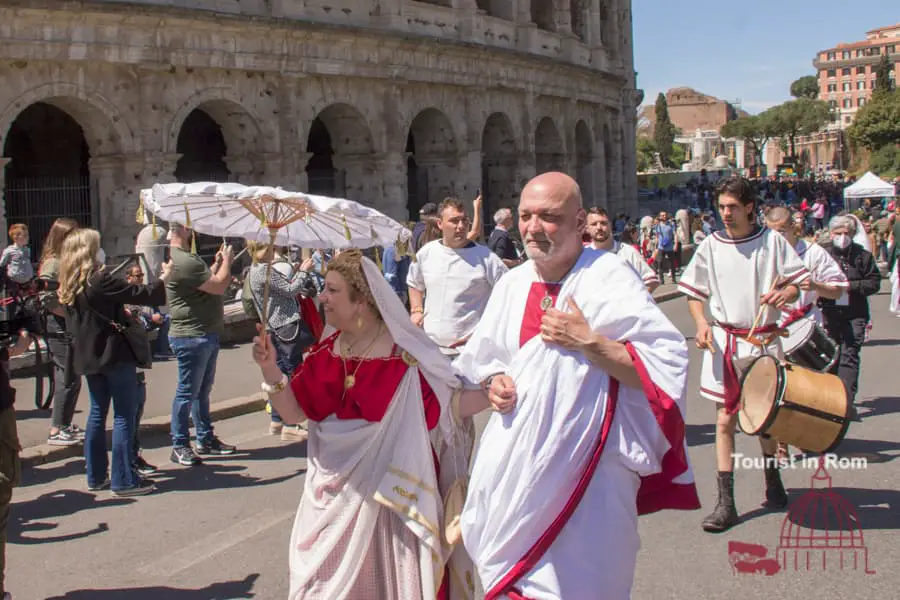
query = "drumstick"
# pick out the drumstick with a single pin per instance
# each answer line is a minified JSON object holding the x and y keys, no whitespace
{"x":762,"y":309}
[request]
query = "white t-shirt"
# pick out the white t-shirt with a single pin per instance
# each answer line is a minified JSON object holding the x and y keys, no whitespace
{"x":457,"y":284}
{"x":634,"y":260}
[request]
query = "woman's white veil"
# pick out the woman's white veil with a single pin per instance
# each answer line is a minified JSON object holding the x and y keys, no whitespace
{"x":432,"y":363}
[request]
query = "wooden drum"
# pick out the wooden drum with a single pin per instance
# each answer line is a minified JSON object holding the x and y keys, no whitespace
{"x":793,"y":404}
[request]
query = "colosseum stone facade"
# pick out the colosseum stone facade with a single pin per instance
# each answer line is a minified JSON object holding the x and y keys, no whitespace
{"x":390,"y":102}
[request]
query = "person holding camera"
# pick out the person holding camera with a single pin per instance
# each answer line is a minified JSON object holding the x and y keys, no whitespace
{"x":195,"y":297}
{"x":9,"y":447}
{"x":66,"y":384}
{"x":107,"y":353}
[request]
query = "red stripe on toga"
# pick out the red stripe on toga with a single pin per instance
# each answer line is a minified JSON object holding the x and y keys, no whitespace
{"x":531,"y":558}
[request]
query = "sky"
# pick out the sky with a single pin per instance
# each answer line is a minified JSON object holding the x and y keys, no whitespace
{"x":734,"y":52}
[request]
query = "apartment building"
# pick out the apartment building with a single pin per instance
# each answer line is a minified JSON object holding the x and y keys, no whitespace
{"x":847,"y":71}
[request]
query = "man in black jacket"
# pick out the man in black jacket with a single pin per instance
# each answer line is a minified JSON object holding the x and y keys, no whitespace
{"x":846,"y":318}
{"x":499,"y":241}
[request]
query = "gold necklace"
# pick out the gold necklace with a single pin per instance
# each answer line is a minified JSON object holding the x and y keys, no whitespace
{"x":350,"y":379}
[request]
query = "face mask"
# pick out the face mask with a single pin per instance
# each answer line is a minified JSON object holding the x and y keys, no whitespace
{"x":842,"y":240}
{"x":100,"y":258}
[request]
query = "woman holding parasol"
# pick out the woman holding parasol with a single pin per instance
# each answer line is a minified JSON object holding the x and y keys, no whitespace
{"x":383,"y":404}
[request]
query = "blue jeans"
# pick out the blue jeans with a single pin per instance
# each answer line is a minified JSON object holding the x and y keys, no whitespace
{"x":197,"y":357}
{"x":289,"y":354}
{"x":117,"y":383}
{"x":138,"y":413}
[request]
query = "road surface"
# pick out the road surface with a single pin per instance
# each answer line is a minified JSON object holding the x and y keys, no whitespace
{"x":221,"y":531}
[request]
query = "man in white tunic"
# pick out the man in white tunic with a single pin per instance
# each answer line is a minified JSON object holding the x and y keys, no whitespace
{"x":826,"y":279}
{"x":451,"y":280}
{"x":600,"y":231}
{"x":744,"y":272}
{"x":588,"y":379}
{"x":151,"y":242}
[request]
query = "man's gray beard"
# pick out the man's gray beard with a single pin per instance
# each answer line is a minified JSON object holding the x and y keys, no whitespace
{"x":546,"y":254}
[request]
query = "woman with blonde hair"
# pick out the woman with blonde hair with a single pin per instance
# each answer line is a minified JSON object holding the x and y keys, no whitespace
{"x":66,"y":385}
{"x":106,"y":356}
{"x":385,"y":448}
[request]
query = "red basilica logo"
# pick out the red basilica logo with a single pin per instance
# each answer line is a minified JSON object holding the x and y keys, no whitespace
{"x":821,"y":532}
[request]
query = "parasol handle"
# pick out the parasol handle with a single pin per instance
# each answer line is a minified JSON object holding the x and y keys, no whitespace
{"x":265,"y":307}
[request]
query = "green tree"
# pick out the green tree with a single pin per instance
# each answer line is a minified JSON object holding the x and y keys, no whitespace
{"x":806,"y":87}
{"x":663,"y":131}
{"x":794,"y":118}
{"x":754,"y":130}
{"x":877,"y":124}
{"x":645,"y":150}
{"x":886,"y":161}
{"x":883,"y":82}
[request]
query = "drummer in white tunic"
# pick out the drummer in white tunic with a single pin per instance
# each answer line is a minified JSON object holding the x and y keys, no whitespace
{"x":599,"y":230}
{"x":826,"y":280}
{"x":738,"y":271}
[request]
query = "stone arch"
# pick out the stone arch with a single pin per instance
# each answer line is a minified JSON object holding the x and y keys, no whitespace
{"x":340,"y":148}
{"x":580,"y":15}
{"x":543,"y":14}
{"x":549,"y":150}
{"x":499,"y":159}
{"x":105,"y":130}
{"x":50,"y":137}
{"x":584,"y":162}
{"x":432,"y":159}
{"x":241,"y":128}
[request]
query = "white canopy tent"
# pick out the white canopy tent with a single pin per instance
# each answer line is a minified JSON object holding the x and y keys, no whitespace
{"x":868,"y":186}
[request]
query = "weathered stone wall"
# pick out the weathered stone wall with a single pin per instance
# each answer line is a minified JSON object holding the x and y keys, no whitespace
{"x":489,"y":102}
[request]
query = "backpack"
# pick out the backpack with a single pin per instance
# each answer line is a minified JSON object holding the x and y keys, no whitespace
{"x":247,"y":299}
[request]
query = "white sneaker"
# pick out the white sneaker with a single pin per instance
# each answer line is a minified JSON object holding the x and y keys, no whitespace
{"x":294,"y":433}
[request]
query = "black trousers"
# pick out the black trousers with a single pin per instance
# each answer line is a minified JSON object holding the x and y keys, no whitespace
{"x":67,"y":385}
{"x":849,"y":334}
{"x":666,"y":258}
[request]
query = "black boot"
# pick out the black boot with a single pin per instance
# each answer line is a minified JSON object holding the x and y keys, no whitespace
{"x":776,"y":497}
{"x":724,"y":516}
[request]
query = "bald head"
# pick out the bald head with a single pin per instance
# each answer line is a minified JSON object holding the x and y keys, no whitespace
{"x":778,"y":214}
{"x":555,"y":188}
{"x":551,"y":222}
{"x":778,"y":219}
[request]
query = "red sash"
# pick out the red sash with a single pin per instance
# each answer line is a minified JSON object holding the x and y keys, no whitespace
{"x":796,"y":314}
{"x":730,"y":380}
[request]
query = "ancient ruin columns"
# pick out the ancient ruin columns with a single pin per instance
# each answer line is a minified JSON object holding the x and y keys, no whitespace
{"x":118,"y":181}
{"x":392,"y":168}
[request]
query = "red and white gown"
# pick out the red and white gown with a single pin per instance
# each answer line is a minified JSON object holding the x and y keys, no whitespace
{"x":558,"y":483}
{"x":368,"y":523}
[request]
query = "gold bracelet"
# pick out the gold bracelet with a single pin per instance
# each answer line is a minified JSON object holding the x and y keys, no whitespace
{"x":277,"y":388}
{"x":416,"y":310}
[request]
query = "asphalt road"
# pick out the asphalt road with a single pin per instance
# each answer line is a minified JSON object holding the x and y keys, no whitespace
{"x":221,"y":531}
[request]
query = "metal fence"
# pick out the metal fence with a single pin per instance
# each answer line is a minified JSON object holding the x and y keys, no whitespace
{"x":38,"y":201}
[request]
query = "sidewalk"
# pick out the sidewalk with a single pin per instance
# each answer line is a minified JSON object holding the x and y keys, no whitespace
{"x":236,"y":392}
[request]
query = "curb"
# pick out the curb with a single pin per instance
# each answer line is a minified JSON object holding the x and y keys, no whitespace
{"x":226,"y":409}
